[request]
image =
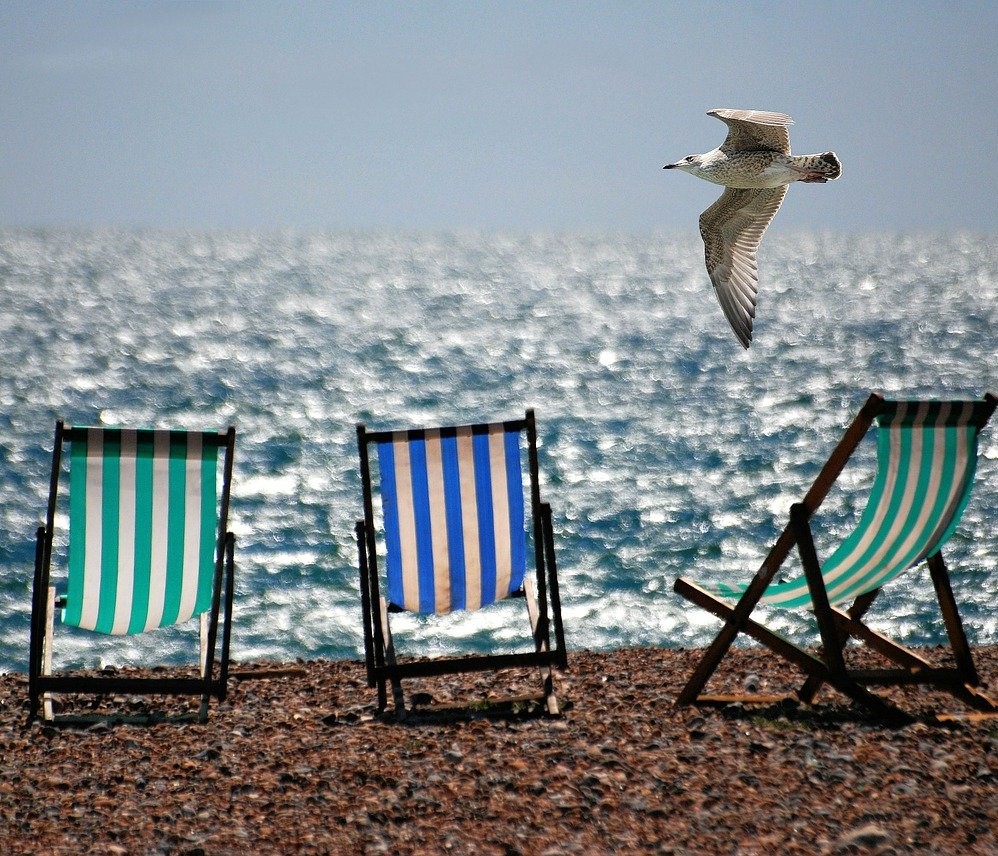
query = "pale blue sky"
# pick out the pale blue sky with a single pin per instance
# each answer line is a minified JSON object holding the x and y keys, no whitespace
{"x":551,"y":116}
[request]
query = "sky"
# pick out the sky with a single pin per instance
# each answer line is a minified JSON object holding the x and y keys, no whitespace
{"x":467,"y":115}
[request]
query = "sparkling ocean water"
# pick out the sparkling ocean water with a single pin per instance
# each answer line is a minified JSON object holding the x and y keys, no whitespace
{"x":665,"y":448}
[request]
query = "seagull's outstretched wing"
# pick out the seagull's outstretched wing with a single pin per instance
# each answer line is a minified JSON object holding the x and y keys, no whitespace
{"x":731,"y":230}
{"x":749,"y":130}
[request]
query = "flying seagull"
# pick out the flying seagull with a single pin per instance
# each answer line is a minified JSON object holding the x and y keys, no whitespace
{"x":755,"y":166}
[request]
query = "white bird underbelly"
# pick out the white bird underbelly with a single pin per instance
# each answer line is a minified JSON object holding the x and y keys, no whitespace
{"x":751,"y":171}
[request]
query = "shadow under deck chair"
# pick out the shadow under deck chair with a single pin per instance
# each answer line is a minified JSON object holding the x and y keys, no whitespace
{"x":926,"y":460}
{"x":455,"y":538}
{"x":148,"y":548}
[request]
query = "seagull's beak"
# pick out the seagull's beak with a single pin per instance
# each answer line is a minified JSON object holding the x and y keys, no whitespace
{"x":670,"y":166}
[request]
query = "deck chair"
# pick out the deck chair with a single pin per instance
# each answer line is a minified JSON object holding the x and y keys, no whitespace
{"x":454,"y":534}
{"x":926,"y":459}
{"x":148,"y":548}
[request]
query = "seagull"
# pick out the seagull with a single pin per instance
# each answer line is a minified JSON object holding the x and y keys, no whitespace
{"x":755,"y":166}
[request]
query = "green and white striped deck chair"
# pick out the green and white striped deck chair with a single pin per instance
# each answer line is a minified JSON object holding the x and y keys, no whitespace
{"x":148,"y":548}
{"x":454,"y":525}
{"x":926,"y":460}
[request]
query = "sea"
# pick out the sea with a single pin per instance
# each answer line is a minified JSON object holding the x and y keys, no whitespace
{"x":665,"y":448}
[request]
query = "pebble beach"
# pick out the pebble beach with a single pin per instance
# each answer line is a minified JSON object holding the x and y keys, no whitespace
{"x":295,"y":760}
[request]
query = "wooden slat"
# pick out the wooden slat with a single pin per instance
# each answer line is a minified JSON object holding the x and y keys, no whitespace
{"x":722,"y":699}
{"x":881,"y":644}
{"x":968,"y":716}
{"x":478,"y":663}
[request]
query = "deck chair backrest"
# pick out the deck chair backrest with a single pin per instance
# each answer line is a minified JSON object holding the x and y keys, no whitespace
{"x":926,"y":460}
{"x":144,"y":527}
{"x":453,"y":507}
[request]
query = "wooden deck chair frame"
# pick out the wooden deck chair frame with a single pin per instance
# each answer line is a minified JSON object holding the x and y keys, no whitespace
{"x":540,"y":589}
{"x":836,"y":625}
{"x":213,"y":680}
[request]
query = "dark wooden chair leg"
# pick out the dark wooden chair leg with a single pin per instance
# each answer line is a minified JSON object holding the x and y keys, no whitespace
{"x":831,"y":637}
{"x":951,"y":617}
{"x":809,"y":690}
{"x":735,"y":620}
{"x":37,"y":626}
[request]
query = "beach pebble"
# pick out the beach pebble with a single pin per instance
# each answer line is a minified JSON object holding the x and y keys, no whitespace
{"x":867,"y":835}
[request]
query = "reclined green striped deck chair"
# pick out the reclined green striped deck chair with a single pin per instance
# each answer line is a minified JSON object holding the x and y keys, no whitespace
{"x":454,"y":534}
{"x":926,"y":460}
{"x":148,"y":548}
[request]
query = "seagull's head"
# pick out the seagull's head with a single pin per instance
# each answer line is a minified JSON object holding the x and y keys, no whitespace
{"x":690,"y":163}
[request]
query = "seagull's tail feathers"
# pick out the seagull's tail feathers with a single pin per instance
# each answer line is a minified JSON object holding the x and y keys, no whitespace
{"x":829,"y":165}
{"x":818,"y":168}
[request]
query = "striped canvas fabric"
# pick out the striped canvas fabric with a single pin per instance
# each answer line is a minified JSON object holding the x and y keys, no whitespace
{"x":454,"y":517}
{"x":142,"y":528}
{"x":926,"y":459}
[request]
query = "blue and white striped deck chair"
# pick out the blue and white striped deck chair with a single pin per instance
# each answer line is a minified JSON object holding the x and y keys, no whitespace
{"x":926,"y":460}
{"x":454,"y":531}
{"x":148,"y":548}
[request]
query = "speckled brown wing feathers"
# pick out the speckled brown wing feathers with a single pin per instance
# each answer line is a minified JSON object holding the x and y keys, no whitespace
{"x":731,"y":230}
{"x":750,"y":130}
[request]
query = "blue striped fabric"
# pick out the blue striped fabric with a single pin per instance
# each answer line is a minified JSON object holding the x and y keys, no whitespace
{"x":454,"y":519}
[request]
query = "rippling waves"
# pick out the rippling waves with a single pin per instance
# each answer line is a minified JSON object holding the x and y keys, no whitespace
{"x":666,"y":449}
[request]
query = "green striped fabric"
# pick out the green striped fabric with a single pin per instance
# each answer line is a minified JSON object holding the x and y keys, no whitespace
{"x":926,"y":459}
{"x":142,"y":528}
